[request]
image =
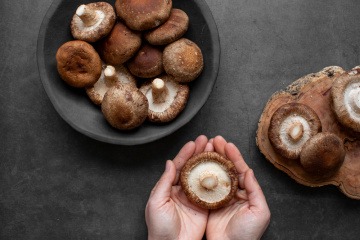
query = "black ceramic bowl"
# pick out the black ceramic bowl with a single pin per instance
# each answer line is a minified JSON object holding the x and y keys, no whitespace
{"x":74,"y":106}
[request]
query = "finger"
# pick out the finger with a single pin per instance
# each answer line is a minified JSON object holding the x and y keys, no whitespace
{"x":200,"y":144}
{"x":162,"y":190}
{"x":255,"y":194}
{"x":219,"y":145}
{"x":186,"y":152}
{"x":233,"y":153}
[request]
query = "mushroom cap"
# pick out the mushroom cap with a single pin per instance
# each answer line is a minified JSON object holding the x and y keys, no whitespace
{"x":170,"y":31}
{"x":124,"y":107}
{"x":291,"y":126}
{"x":144,"y":14}
{"x":346,"y":100}
{"x":183,"y":60}
{"x":209,"y":180}
{"x":119,"y":45}
{"x":105,"y":21}
{"x":174,"y":100}
{"x":322,"y":155}
{"x":147,"y":62}
{"x":78,"y":63}
{"x":103,"y":84}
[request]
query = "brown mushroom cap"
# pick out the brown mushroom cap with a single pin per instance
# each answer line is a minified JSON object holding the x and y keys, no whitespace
{"x":209,"y":180}
{"x":147,"y":62}
{"x":166,"y":98}
{"x":144,"y":14}
{"x":183,"y":60}
{"x":346,"y":100}
{"x":78,"y":64}
{"x":173,"y":29}
{"x":92,"y":21}
{"x":124,"y":107}
{"x":322,"y":155}
{"x":119,"y":45}
{"x":110,"y":76}
{"x":291,"y":126}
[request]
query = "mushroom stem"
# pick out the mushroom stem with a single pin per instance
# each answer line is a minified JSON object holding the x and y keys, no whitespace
{"x":354,"y":96}
{"x":159,"y":90}
{"x":87,"y":15}
{"x":209,"y":181}
{"x":110,"y":76}
{"x":296,"y":131}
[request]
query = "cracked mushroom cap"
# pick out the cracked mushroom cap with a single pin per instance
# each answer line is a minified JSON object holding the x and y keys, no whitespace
{"x":170,"y":31}
{"x":110,"y":76}
{"x":124,"y":107}
{"x":322,"y":155}
{"x":147,"y":62}
{"x":92,"y":21}
{"x":166,"y":98}
{"x":78,"y":63}
{"x":346,"y":100}
{"x":291,"y":126}
{"x":209,"y":180}
{"x":183,"y":60}
{"x":144,"y":14}
{"x":119,"y":45}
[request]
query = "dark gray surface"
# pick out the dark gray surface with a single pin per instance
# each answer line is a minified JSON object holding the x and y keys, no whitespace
{"x":58,"y":184}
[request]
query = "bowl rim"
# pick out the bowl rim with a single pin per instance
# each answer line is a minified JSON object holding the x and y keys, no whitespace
{"x":40,"y":56}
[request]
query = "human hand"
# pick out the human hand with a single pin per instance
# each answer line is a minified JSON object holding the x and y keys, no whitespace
{"x":247,"y":215}
{"x":169,"y":214}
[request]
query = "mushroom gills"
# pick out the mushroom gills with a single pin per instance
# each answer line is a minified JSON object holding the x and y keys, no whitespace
{"x":90,"y":19}
{"x":352,"y":100}
{"x":161,"y":95}
{"x":209,"y":189}
{"x":294,"y":131}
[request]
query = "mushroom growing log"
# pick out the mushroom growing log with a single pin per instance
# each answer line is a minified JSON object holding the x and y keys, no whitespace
{"x":314,"y":90}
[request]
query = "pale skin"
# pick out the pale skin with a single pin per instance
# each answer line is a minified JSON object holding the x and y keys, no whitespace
{"x":170,"y":215}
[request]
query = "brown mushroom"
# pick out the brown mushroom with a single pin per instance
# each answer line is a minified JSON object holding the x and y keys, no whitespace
{"x":144,"y":14}
{"x":209,"y":180}
{"x":346,"y":100}
{"x":92,"y":21}
{"x":183,"y":60}
{"x":147,"y":62}
{"x":78,"y":63}
{"x":173,"y":29}
{"x":291,"y":126}
{"x":110,"y":76}
{"x":124,"y":107}
{"x":119,"y":45}
{"x":166,"y":98}
{"x":322,"y":155}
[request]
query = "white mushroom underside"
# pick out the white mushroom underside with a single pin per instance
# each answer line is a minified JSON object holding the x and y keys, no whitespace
{"x":285,"y":127}
{"x":219,"y":192}
{"x":81,"y":24}
{"x":162,"y":107}
{"x":100,"y":86}
{"x":352,"y":101}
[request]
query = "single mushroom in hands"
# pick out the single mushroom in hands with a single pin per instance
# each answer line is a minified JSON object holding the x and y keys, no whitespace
{"x":110,"y":77}
{"x":93,"y":21}
{"x":144,"y":14}
{"x":209,"y":180}
{"x":183,"y":60}
{"x":346,"y":100}
{"x":170,"y":31}
{"x":166,"y":98}
{"x":78,"y":63}
{"x":124,"y":107}
{"x":322,"y":155}
{"x":291,"y":126}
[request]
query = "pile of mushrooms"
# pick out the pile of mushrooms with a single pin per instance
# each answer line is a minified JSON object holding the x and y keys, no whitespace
{"x":131,"y":59}
{"x":311,"y":130}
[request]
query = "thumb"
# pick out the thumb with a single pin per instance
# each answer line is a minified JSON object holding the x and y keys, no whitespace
{"x":162,"y":189}
{"x":255,"y":194}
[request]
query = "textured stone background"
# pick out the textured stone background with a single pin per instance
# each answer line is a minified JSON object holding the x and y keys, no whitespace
{"x":58,"y":184}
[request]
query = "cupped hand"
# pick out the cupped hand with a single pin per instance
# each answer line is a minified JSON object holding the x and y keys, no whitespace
{"x":168,"y":213}
{"x":247,"y":215}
